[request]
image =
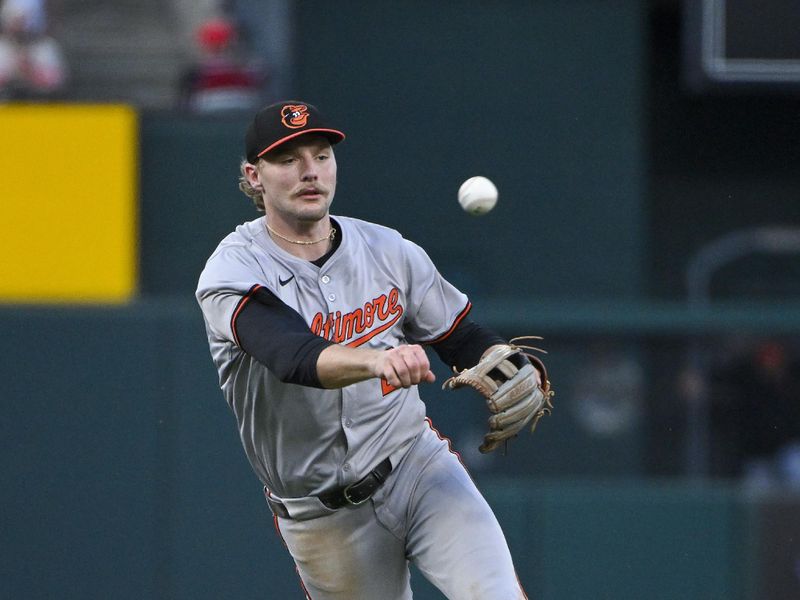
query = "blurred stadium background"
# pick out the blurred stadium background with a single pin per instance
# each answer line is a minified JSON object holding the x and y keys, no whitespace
{"x":647,"y":159}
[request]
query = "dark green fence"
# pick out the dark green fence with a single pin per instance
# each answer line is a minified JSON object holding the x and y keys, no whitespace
{"x":124,"y":478}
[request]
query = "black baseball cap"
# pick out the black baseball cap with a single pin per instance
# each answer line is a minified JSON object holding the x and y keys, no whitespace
{"x":283,"y":121}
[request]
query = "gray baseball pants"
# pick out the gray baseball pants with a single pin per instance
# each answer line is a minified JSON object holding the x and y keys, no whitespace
{"x":429,"y":513}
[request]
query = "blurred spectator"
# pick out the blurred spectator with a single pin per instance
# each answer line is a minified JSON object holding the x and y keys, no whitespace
{"x":265,"y":30}
{"x":32,"y":64}
{"x":222,"y":80}
{"x":756,"y":413}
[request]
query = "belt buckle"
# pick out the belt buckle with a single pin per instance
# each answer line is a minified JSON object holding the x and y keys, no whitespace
{"x":346,"y":494}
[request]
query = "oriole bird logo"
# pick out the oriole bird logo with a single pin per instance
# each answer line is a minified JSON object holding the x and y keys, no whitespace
{"x":294,"y":116}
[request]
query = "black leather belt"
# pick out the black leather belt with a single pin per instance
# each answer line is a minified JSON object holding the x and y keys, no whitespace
{"x":352,"y":495}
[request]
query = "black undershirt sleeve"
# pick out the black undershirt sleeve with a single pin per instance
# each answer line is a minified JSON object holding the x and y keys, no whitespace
{"x":464,"y":346}
{"x":278,"y":337}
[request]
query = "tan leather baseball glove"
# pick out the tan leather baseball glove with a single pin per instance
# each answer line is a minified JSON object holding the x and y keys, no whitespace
{"x":512,"y":394}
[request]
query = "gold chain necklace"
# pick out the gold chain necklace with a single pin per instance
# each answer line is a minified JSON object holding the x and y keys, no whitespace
{"x":329,"y":236}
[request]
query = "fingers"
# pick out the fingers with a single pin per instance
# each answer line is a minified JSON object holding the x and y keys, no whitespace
{"x":405,"y":366}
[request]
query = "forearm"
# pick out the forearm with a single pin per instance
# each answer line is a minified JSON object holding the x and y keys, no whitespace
{"x":338,"y":366}
{"x":404,"y":366}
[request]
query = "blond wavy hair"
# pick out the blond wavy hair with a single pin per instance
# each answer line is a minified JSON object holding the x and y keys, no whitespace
{"x":247,"y":189}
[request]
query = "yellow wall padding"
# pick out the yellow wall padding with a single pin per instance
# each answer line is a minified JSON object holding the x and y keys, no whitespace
{"x":68,"y":203}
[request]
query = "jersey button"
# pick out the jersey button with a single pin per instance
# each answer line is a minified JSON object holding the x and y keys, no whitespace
{"x":325,"y":279}
{"x":331,"y":297}
{"x":348,"y":423}
{"x":346,"y":467}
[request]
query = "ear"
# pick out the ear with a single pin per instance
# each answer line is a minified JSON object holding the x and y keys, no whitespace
{"x":253,"y":176}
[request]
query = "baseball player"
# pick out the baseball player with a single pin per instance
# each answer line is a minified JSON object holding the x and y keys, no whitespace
{"x":316,"y":324}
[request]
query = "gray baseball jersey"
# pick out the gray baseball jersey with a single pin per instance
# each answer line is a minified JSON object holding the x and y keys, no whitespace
{"x":378,"y":290}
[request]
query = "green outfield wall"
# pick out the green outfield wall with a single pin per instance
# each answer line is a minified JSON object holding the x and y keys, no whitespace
{"x":124,"y":477}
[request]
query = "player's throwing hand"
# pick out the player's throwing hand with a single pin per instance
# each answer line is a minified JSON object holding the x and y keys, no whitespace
{"x":404,"y":366}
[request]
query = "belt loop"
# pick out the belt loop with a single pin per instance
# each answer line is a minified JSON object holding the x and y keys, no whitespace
{"x":278,"y":508}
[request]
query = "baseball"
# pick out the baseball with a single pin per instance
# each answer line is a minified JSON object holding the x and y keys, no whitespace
{"x":477,"y":195}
